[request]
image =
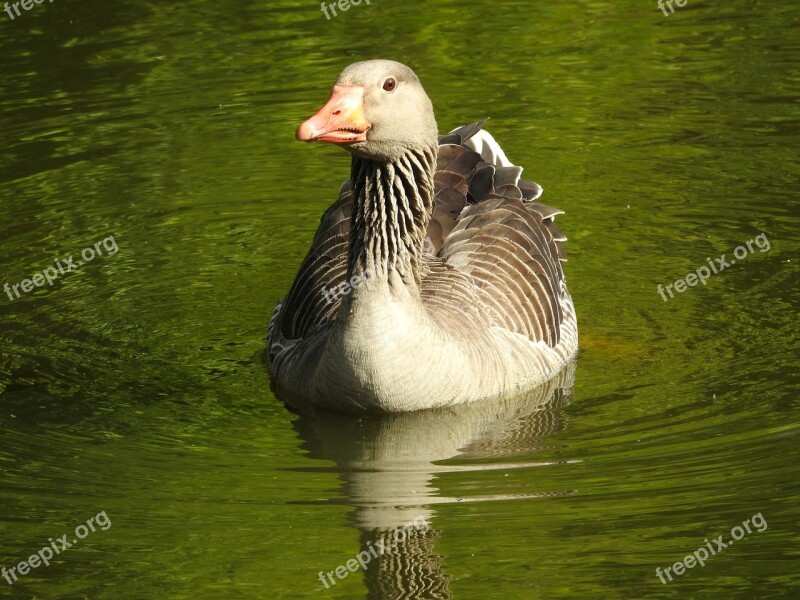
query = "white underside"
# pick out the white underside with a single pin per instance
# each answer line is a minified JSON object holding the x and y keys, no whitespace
{"x":389,"y":355}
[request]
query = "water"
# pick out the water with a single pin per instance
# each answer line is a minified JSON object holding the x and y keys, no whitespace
{"x":134,"y":386}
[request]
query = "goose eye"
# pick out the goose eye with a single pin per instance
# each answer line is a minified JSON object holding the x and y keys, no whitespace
{"x":390,"y":84}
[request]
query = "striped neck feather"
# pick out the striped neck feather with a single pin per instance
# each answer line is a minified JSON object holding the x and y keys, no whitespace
{"x":392,"y":208}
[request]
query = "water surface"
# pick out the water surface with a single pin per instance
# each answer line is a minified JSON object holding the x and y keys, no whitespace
{"x":133,"y":384}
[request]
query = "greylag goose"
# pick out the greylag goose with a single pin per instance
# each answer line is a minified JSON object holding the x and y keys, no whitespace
{"x":434,"y":279}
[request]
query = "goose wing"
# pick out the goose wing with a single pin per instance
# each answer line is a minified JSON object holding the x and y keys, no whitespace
{"x":501,"y":249}
{"x":307,"y":309}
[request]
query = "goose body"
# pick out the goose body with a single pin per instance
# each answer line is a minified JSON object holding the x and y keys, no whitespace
{"x":434,"y":279}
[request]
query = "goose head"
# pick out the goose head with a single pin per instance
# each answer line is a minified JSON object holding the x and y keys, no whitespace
{"x":377,"y":110}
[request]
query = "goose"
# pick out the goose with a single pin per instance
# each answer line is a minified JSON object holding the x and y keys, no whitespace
{"x":435,"y":278}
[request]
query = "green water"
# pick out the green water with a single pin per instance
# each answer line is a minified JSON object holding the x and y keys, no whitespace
{"x":133,"y":385}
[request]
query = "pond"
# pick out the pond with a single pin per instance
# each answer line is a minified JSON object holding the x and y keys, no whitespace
{"x":149,"y":176}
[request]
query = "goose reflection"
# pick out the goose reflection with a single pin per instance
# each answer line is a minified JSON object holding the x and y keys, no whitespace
{"x":388,"y":464}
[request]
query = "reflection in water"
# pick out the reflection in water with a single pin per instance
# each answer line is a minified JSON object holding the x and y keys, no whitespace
{"x":388,"y":463}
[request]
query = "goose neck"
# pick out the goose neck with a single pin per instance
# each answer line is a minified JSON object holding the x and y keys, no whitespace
{"x":393,"y":202}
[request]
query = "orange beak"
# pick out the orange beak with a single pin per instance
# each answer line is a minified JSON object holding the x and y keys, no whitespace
{"x":340,"y":121}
